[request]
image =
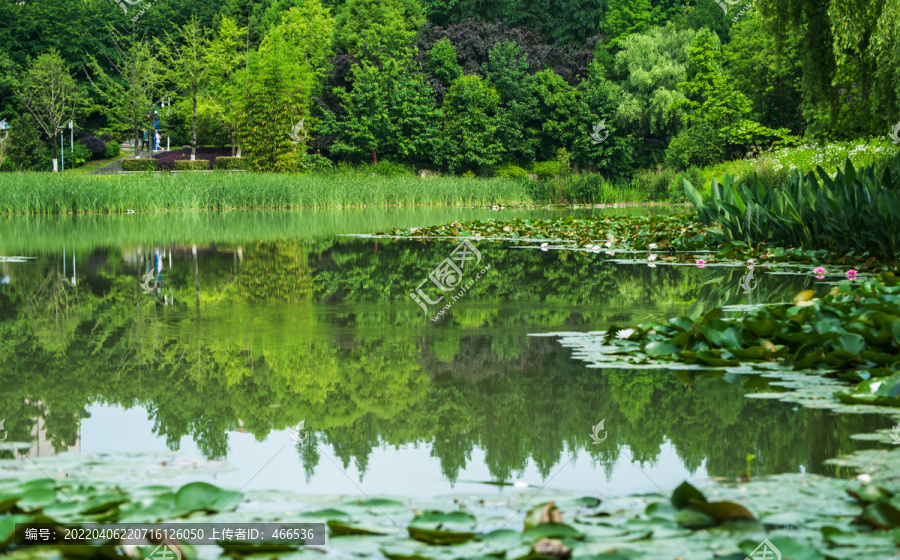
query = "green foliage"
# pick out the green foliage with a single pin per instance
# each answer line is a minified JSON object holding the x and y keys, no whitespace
{"x":443,"y":62}
{"x":558,"y":110}
{"x":231,"y":163}
{"x":275,"y":99}
{"x":518,"y":119}
{"x":129,"y":90}
{"x":546,"y":169}
{"x":112,"y":150}
{"x":50,"y":93}
{"x":141,"y":164}
{"x":857,"y":211}
{"x":77,"y":155}
{"x":378,"y":29}
{"x":768,"y":72}
{"x":188,"y":165}
{"x":711,"y":97}
{"x":614,"y":156}
{"x":468,"y":137}
{"x":850,"y":51}
{"x":315,"y":162}
{"x":388,"y":169}
{"x":665,"y":184}
{"x":510,"y":172}
{"x":652,"y":66}
{"x":699,"y":145}
{"x":28,"y":149}
{"x":308,"y":28}
{"x":389,"y":111}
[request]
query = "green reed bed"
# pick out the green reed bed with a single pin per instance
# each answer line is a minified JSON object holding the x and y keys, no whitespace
{"x":42,"y":193}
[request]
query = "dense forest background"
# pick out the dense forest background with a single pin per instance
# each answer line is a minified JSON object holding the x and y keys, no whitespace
{"x":463,"y":85}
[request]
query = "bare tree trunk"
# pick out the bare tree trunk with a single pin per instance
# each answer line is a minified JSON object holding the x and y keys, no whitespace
{"x":232,"y":142}
{"x":55,"y":156}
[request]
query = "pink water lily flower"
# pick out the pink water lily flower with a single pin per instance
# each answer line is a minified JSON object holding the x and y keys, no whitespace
{"x":820,"y":270}
{"x":701,"y":263}
{"x":851,"y":275}
{"x":819,"y":276}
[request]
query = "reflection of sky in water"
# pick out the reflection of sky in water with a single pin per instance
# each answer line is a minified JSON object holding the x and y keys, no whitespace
{"x":408,"y":470}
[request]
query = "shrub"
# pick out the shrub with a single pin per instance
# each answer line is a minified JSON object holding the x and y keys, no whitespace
{"x":510,"y":172}
{"x":143,"y":164}
{"x":546,"y":169}
{"x":28,"y":150}
{"x":228,"y":163}
{"x":188,"y":165}
{"x":388,"y":169}
{"x":77,"y":155}
{"x":106,"y":138}
{"x":768,"y":174}
{"x":699,"y":145}
{"x":94,"y":145}
{"x":655,"y":183}
{"x":315,"y":162}
{"x":112,"y":150}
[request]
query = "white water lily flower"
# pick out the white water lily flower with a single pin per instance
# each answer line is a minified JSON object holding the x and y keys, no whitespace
{"x":651,"y":257}
{"x":520,"y":484}
{"x":625,"y":333}
{"x":864,"y":478}
{"x":653,"y":246}
{"x":589,"y":245}
{"x":544,"y":244}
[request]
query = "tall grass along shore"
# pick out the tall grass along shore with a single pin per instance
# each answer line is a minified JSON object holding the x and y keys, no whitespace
{"x":35,"y":193}
{"x":41,"y":193}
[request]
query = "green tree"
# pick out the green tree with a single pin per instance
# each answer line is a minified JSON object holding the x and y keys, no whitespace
{"x":390,"y":111}
{"x":443,"y":62}
{"x":227,"y":60}
{"x":712,"y":98}
{"x":378,"y":29}
{"x":50,"y":93}
{"x":469,"y":132}
{"x":308,"y":28}
{"x":651,"y":66}
{"x":599,"y":98}
{"x":558,"y":112}
{"x":185,"y":56}
{"x":623,"y":18}
{"x":850,"y":51}
{"x":276,"y":97}
{"x":768,"y":73}
{"x":131,"y":90}
{"x":518,"y":121}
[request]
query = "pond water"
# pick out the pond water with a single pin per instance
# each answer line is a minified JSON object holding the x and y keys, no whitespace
{"x":276,"y":344}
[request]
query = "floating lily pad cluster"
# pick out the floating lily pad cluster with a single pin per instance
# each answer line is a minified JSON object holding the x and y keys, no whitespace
{"x":805,"y":516}
{"x":852,"y":334}
{"x":678,"y":232}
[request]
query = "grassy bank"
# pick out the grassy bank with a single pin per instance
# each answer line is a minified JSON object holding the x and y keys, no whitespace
{"x":44,"y":193}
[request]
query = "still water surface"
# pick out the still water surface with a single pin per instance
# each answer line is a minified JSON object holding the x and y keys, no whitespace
{"x":258,"y":321}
